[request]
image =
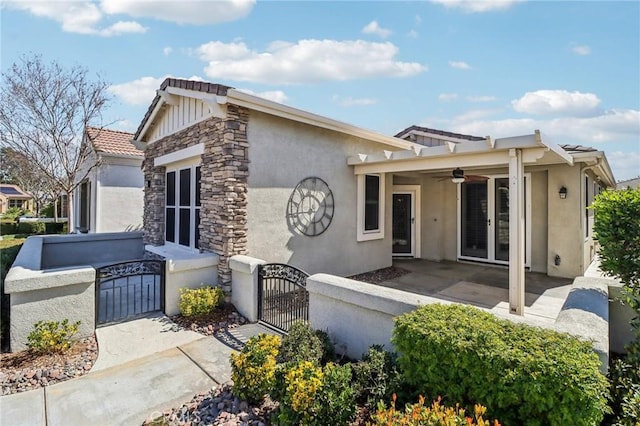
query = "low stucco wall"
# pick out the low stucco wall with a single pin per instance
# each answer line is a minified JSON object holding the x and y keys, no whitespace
{"x":90,"y":249}
{"x":47,"y":295}
{"x":244,"y":285}
{"x":185,"y":269}
{"x":357,"y":315}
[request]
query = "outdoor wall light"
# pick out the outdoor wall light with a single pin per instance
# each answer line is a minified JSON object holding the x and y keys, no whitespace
{"x":557,"y":260}
{"x":563,"y":192}
{"x":457,"y":176}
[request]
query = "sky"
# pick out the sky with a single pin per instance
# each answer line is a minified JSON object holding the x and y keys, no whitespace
{"x":487,"y":68}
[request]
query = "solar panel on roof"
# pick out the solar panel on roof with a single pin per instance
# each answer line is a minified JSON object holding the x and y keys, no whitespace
{"x":7,"y":190}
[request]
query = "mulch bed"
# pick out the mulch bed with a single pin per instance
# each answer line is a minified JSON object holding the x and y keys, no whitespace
{"x":221,"y":319}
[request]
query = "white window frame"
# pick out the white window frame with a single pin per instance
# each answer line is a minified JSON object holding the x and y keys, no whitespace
{"x":192,"y":205}
{"x":374,"y":234}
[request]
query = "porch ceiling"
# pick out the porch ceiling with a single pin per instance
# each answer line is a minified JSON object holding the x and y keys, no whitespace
{"x":469,"y":154}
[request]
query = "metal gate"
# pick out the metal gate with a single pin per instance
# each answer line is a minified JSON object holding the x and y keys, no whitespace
{"x":129,"y":289}
{"x":282,"y":295}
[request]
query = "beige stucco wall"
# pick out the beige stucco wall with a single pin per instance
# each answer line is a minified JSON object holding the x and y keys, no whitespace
{"x":565,"y":234}
{"x":281,"y":154}
{"x":120,"y":183}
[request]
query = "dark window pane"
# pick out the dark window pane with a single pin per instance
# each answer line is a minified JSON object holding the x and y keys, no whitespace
{"x":171,"y":189}
{"x":474,"y":219}
{"x":185,"y":187}
{"x":371,"y":202}
{"x":197,"y":186}
{"x":184,"y":227}
{"x":170,"y":224}
{"x":197,"y":241}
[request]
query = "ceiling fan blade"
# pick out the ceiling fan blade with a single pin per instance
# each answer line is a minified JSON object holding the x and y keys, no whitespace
{"x":475,"y":178}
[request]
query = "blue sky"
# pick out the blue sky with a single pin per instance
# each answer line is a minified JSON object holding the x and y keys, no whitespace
{"x":498,"y":68}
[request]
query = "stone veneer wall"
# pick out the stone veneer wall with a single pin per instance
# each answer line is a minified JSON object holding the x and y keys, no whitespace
{"x":224,"y":173}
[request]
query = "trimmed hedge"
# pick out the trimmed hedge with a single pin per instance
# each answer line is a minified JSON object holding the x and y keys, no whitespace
{"x":8,"y":227}
{"x":31,"y":228}
{"x":524,"y":375}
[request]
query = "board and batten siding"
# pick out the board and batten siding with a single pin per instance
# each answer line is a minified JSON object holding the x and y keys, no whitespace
{"x":177,"y":117}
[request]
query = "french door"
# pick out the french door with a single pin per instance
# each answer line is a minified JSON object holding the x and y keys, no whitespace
{"x":483,"y":225}
{"x":406,"y":220}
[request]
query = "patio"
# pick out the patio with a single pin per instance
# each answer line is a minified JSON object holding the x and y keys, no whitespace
{"x":484,"y":286}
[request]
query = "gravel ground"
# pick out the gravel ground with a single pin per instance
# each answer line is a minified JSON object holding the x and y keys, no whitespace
{"x":26,"y":370}
{"x":380,"y":275}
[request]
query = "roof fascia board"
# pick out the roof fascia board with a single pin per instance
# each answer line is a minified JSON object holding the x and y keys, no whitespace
{"x":598,"y":159}
{"x":256,"y":103}
{"x":196,"y":94}
{"x":168,"y":98}
{"x":487,"y":158}
{"x":147,"y":124}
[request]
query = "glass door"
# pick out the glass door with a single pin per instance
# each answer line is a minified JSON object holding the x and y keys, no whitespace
{"x":501,"y":219}
{"x":402,"y":221}
{"x":474,"y":220}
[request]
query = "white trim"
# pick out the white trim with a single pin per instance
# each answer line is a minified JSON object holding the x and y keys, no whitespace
{"x":416,"y":243}
{"x":376,"y":234}
{"x":180,"y":155}
{"x":491,"y":227}
{"x":192,"y":205}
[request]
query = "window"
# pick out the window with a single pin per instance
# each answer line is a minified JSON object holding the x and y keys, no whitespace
{"x":16,"y":203}
{"x":84,"y":210}
{"x":182,"y":206}
{"x":370,"y":207}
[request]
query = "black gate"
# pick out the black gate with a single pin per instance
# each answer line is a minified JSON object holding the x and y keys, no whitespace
{"x":282,"y":295}
{"x":129,"y":289}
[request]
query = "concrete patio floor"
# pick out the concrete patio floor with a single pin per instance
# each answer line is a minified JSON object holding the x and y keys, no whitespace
{"x":484,"y":286}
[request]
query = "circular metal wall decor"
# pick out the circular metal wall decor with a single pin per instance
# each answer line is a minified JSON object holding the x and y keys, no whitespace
{"x":310,"y":208}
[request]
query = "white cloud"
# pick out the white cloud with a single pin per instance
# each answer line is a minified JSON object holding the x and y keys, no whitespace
{"x":460,"y":65}
{"x":477,"y":6}
{"x":307,"y":61}
{"x":349,"y":101}
{"x":581,"y":49}
{"x":271,"y":95}
{"x":610,"y":126}
{"x":137,"y":92}
{"x":181,"y":12}
{"x":625,"y":165}
{"x":557,"y":102}
{"x":167,"y":51}
{"x":76,"y":17}
{"x":87,"y":17}
{"x":374,"y":28}
{"x":481,"y":98}
{"x":447,"y":97}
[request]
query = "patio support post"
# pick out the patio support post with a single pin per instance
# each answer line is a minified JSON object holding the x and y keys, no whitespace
{"x":516,"y":232}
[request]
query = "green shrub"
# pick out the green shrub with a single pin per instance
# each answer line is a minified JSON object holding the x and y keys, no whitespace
{"x":625,"y":392}
{"x":302,"y":343}
{"x":253,"y":369}
{"x":317,"y":396}
{"x":31,"y":228}
{"x":376,"y":376}
{"x":52,"y":336}
{"x":617,"y":230}
{"x":524,"y":375}
{"x":55,"y":227}
{"x":436,"y":415}
{"x":8,"y":227}
{"x":13,"y":213}
{"x":200,"y":301}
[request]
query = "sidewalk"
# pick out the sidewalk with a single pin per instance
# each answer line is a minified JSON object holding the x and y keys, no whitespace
{"x":124,"y":390}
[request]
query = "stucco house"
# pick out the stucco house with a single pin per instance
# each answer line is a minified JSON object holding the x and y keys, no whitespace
{"x":13,"y":196}
{"x":109,"y":198}
{"x":230,"y":173}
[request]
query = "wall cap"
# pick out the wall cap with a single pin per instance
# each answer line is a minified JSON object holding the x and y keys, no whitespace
{"x":181,"y":259}
{"x":245,"y":264}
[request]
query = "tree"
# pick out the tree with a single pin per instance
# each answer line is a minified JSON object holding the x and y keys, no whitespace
{"x":44,"y":110}
{"x":17,"y":169}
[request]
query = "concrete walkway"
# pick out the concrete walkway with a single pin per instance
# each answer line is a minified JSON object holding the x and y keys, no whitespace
{"x":144,"y":367}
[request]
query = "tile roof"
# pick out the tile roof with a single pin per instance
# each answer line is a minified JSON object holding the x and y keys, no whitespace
{"x":629,"y":183}
{"x":199,"y":86}
{"x":408,"y":130}
{"x":113,"y":142}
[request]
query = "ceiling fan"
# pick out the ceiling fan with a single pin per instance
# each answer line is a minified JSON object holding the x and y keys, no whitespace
{"x":458,"y":176}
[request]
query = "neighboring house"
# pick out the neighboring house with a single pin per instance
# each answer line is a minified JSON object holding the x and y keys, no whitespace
{"x":13,"y":196}
{"x":629,"y":183}
{"x":110,"y":198}
{"x":232,"y":173}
